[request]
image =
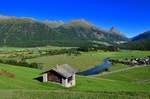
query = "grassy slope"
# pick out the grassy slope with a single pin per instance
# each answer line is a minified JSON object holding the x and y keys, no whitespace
{"x":107,"y":87}
{"x":133,"y":75}
{"x":23,"y":85}
{"x":24,"y":80}
{"x":87,"y":60}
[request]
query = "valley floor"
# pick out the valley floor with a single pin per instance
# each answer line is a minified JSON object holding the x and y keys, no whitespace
{"x":18,"y":82}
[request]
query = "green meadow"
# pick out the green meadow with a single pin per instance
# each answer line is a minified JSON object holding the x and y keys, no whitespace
{"x":137,"y":75}
{"x":24,"y":85}
{"x":12,"y":49}
{"x":18,"y":82}
{"x":87,"y":59}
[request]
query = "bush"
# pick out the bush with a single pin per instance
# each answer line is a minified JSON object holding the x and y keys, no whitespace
{"x":21,"y":63}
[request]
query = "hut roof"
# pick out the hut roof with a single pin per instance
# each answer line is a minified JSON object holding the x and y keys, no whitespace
{"x":65,"y":70}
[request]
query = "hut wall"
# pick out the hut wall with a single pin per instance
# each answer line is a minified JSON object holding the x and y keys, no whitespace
{"x":69,"y":82}
{"x":73,"y":80}
{"x":54,"y":77}
{"x":65,"y":82}
{"x":45,"y":77}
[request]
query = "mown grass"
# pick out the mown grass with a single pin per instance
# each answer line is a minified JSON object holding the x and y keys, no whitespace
{"x":82,"y":62}
{"x":45,"y":94}
{"x":115,"y":86}
{"x":117,"y":67}
{"x":88,"y":59}
{"x":133,"y":75}
{"x":24,"y":79}
{"x":86,"y":88}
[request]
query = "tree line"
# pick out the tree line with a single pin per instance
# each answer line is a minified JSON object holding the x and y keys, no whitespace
{"x":22,"y":63}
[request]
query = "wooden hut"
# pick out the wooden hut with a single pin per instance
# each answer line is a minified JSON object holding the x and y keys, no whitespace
{"x":61,"y":74}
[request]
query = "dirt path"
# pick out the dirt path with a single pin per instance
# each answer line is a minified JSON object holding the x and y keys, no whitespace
{"x":120,"y":70}
{"x":147,"y":81}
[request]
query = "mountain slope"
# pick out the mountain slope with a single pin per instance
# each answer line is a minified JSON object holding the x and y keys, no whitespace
{"x":82,"y":31}
{"x":140,"y":42}
{"x":28,"y":32}
{"x":15,"y":32}
{"x":142,"y":37}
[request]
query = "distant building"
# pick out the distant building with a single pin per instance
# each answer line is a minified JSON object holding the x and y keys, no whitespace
{"x":61,"y":74}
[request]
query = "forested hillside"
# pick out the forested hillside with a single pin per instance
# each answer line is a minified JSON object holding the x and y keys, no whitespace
{"x":140,"y":42}
{"x":28,"y":32}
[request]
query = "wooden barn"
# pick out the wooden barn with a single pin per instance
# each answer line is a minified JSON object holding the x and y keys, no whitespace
{"x":61,"y":74}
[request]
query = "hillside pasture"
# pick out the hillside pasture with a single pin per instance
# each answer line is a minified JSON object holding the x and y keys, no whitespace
{"x":134,"y":75}
{"x":88,"y":59}
{"x":24,"y":79}
{"x":124,"y":85}
{"x":48,"y":94}
{"x":24,"y":86}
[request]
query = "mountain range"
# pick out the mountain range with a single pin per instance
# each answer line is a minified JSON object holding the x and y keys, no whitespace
{"x":29,"y":32}
{"x":143,"y":36}
{"x":140,"y":42}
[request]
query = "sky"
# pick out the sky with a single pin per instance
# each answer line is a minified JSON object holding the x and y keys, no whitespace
{"x":131,"y":17}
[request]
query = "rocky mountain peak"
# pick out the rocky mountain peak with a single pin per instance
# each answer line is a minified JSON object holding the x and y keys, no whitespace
{"x":115,"y":31}
{"x":81,"y":22}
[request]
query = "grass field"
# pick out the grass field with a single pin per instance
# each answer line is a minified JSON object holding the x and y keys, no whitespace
{"x":88,"y":59}
{"x":133,"y":75}
{"x":44,"y":94}
{"x":24,"y":85}
{"x":24,"y":79}
{"x":12,"y":49}
{"x":16,"y":53}
{"x":121,"y":85}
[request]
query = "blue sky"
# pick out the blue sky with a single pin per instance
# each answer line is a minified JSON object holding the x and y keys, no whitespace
{"x":130,"y":16}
